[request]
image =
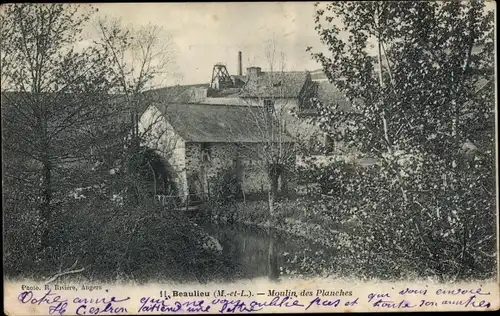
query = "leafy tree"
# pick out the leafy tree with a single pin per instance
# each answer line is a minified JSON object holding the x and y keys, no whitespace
{"x":420,"y":78}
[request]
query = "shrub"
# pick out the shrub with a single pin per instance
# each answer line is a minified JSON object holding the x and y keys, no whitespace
{"x":225,"y":187}
{"x":424,"y":227}
{"x":111,"y":241}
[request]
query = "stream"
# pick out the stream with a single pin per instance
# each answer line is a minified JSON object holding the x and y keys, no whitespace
{"x":251,"y":252}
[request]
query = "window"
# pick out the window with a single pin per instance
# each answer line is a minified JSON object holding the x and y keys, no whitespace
{"x":206,"y":152}
{"x":269,"y":105}
{"x":328,"y":143}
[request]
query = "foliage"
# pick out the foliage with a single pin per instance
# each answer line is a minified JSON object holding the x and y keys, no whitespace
{"x":21,"y":234}
{"x":332,"y":178}
{"x":113,"y":241}
{"x":253,"y":213}
{"x":225,"y":187}
{"x":424,"y":109}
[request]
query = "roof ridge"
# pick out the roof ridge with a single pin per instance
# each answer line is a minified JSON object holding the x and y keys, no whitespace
{"x":180,"y":86}
{"x":214,"y":104}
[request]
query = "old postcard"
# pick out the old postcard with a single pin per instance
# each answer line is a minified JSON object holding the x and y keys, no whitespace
{"x":279,"y":157}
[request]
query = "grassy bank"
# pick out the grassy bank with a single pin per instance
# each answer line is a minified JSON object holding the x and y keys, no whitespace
{"x":108,"y":242}
{"x":298,"y":217}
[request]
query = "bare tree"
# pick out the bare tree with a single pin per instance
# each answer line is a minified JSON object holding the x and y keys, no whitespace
{"x":141,"y":58}
{"x":271,"y":107}
{"x":57,"y":96}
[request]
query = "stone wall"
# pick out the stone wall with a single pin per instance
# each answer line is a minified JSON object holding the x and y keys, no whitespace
{"x":205,"y":161}
{"x":255,"y":178}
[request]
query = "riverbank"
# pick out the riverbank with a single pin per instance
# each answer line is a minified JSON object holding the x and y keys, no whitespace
{"x":355,"y":241}
{"x":344,"y":246}
{"x":294,"y":217}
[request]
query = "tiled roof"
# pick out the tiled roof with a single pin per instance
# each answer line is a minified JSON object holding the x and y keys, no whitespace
{"x":275,"y":84}
{"x":179,"y":93}
{"x":217,"y":123}
{"x":318,"y":75}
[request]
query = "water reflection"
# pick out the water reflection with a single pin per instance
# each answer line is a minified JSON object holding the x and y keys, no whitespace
{"x":252,"y":252}
{"x":272,"y":260}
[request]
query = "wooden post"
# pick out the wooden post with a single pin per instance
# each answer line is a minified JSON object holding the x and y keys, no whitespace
{"x":187,"y":202}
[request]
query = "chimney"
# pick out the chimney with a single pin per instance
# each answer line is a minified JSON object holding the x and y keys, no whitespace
{"x":253,"y":72}
{"x":240,"y":66}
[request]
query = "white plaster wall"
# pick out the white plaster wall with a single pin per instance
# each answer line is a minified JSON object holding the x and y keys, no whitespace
{"x":159,"y":134}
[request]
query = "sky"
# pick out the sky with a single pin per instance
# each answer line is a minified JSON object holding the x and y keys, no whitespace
{"x":207,"y":33}
{"x":204,"y":34}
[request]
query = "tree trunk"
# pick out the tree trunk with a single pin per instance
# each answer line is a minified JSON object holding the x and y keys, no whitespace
{"x":272,"y":198}
{"x":135,"y":130}
{"x":132,"y":125}
{"x":46,"y":195}
{"x":273,"y":190}
{"x":284,"y":184}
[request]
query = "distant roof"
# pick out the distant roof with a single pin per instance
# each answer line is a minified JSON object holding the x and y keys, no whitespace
{"x":328,"y":93}
{"x":241,"y":78}
{"x":217,"y":123}
{"x":175,"y":94}
{"x":275,"y":84}
{"x":318,"y":75}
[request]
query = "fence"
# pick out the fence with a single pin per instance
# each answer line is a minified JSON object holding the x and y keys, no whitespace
{"x":192,"y":199}
{"x":195,"y":199}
